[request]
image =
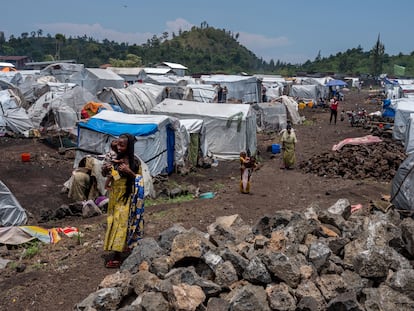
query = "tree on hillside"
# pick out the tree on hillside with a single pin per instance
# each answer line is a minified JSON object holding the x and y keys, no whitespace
{"x":377,"y":55}
{"x":131,"y":60}
{"x":60,"y":39}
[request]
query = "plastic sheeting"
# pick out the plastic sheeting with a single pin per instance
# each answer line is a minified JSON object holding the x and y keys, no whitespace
{"x":11,"y":212}
{"x":409,"y":135}
{"x":138,"y":98}
{"x":12,"y":116}
{"x":96,"y":79}
{"x":152,"y":147}
{"x":271,"y":116}
{"x":241,"y":88}
{"x":230,"y":128}
{"x":64,"y":105}
{"x":403,"y":108}
{"x":402,"y":186}
{"x":203,"y":93}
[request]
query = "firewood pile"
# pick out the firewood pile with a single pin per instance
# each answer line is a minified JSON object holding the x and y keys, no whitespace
{"x":379,"y":161}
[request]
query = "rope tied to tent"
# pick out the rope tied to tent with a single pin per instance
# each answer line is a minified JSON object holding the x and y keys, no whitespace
{"x":239,"y":116}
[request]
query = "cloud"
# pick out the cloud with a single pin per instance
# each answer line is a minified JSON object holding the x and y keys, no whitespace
{"x":177,"y":25}
{"x":256,"y":41}
{"x":95,"y":31}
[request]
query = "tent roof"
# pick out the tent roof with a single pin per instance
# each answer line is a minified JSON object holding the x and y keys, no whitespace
{"x":157,"y":71}
{"x":226,"y":78}
{"x":104,"y":74}
{"x":126,"y":70}
{"x":186,"y":107}
{"x":3,"y":64}
{"x":116,"y":123}
{"x":174,"y":65}
{"x":334,"y":82}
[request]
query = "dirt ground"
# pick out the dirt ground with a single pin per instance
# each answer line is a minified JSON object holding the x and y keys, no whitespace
{"x":60,"y":275}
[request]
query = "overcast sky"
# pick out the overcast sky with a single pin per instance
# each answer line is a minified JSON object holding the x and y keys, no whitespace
{"x":286,"y":30}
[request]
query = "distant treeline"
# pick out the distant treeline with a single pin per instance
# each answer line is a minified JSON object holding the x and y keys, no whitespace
{"x":202,"y":49}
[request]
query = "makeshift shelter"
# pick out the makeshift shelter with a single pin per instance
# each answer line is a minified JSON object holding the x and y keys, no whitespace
{"x":155,"y":137}
{"x":96,"y":79}
{"x":241,"y":89}
{"x":402,"y":186}
{"x":230,"y":128}
{"x":409,"y":135}
{"x":11,"y":212}
{"x":60,"y":109}
{"x":62,"y":71}
{"x":12,"y":116}
{"x":129,"y":74}
{"x":335,"y":82}
{"x":137,"y":98}
{"x":271,"y":116}
{"x":204,"y":93}
{"x":403,"y":108}
{"x":196,"y":140}
{"x":305,"y":92}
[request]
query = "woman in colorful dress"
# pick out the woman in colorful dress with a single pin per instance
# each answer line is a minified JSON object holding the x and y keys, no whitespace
{"x":288,"y":141}
{"x":126,"y":203}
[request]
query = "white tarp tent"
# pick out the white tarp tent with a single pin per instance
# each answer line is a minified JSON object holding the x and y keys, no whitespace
{"x":230,"y":128}
{"x":244,"y":89}
{"x":11,"y":212}
{"x":137,"y":98}
{"x":12,"y":116}
{"x":402,"y":185}
{"x":155,"y":136}
{"x":305,"y":92}
{"x":62,"y":71}
{"x":96,"y":79}
{"x":409,"y":135}
{"x":60,"y":109}
{"x":403,"y":108}
{"x":204,"y":93}
{"x":271,"y":116}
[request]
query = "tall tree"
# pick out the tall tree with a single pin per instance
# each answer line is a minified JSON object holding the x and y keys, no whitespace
{"x":377,"y":55}
{"x":60,"y":39}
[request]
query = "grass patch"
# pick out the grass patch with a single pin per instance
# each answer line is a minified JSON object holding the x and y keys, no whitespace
{"x":179,"y":199}
{"x":218,"y":186}
{"x":308,"y":122}
{"x":32,"y":249}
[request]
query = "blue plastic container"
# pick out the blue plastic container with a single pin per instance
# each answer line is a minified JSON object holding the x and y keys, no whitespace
{"x":275,"y":148}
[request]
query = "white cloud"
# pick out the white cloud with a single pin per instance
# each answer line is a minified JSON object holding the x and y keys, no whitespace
{"x":176,"y":25}
{"x":95,"y":31}
{"x":257,"y":41}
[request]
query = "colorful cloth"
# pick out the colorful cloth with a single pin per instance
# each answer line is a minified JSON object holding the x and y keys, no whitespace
{"x":125,"y":220}
{"x":288,"y":143}
{"x":136,"y":215}
{"x":117,"y":217}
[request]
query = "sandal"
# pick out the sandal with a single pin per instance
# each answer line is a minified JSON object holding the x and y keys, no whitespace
{"x":113,"y":264}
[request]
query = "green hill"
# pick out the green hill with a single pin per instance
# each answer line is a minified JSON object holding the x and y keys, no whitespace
{"x":202,"y":49}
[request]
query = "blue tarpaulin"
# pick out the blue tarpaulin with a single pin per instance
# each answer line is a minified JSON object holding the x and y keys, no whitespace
{"x":336,"y":83}
{"x":116,"y":128}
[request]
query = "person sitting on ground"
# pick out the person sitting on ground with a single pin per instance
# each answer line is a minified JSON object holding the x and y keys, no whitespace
{"x":82,"y":184}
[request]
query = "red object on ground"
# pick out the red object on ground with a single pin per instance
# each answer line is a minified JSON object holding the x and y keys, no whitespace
{"x":25,"y":157}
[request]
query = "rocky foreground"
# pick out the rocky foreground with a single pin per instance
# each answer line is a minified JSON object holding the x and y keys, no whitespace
{"x":340,"y":258}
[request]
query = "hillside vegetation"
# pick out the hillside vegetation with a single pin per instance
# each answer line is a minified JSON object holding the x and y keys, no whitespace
{"x":203,"y":49}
